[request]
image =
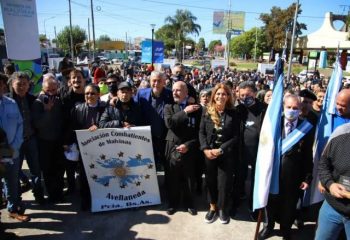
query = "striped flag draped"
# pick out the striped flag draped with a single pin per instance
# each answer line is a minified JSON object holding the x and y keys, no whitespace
{"x":324,"y":130}
{"x":269,"y":150}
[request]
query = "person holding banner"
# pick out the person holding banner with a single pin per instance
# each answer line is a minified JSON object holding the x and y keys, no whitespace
{"x":86,"y":116}
{"x":295,"y":172}
{"x":125,"y":113}
{"x":218,"y":135}
{"x":182,"y":120}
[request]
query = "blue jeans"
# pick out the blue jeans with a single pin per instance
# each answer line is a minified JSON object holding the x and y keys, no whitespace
{"x":11,"y":187}
{"x":330,"y":223}
{"x":29,"y":150}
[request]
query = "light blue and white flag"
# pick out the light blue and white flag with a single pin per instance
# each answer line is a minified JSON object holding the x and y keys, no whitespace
{"x":323,"y":131}
{"x":269,"y":150}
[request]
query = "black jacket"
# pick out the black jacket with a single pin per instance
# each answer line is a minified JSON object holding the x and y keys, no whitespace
{"x":182,"y":128}
{"x":79,"y":115}
{"x":114,"y":117}
{"x":230,"y":133}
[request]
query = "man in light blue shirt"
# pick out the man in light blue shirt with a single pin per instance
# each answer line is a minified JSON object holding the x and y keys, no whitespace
{"x":12,"y":123}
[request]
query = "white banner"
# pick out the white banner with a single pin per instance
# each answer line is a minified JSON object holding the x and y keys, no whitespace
{"x":21,"y":29}
{"x":120,"y":169}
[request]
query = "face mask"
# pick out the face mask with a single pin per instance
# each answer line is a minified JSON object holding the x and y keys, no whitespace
{"x":291,"y":114}
{"x":248,"y":101}
{"x":113,"y":88}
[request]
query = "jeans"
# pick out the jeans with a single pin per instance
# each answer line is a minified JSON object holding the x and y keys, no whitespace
{"x":11,"y":187}
{"x":330,"y":223}
{"x":29,"y":150}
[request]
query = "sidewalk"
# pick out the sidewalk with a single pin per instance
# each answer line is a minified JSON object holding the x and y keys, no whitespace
{"x":66,"y":221}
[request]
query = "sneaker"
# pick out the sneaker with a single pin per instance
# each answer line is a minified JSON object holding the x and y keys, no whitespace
{"x":224,"y":218}
{"x":210,"y":216}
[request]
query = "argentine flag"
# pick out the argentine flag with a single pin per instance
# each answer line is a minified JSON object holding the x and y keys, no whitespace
{"x":269,"y":150}
{"x":323,"y":131}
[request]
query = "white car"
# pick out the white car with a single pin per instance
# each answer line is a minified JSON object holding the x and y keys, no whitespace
{"x":303,"y":75}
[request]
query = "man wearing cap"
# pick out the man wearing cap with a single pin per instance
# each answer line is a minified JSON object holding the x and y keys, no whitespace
{"x":307,"y":99}
{"x":125,"y":113}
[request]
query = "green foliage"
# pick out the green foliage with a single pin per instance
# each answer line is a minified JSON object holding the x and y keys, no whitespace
{"x":42,"y":38}
{"x":182,"y":24}
{"x":104,"y":38}
{"x":212,"y":45}
{"x":201,"y":44}
{"x":63,"y":38}
{"x":276,"y":24}
{"x":167,"y":35}
{"x":245,"y":43}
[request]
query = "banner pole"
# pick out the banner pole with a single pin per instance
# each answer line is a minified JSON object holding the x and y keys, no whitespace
{"x":258,"y":224}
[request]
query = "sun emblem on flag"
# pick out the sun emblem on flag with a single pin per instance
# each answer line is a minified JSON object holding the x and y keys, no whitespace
{"x":120,"y":171}
{"x":264,"y":139}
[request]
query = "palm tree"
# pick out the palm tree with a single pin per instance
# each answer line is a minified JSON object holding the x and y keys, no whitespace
{"x":182,"y":23}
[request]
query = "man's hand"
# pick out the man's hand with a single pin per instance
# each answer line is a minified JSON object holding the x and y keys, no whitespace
{"x":304,"y":186}
{"x":321,"y":188}
{"x":182,"y":148}
{"x":191,"y":108}
{"x":127,"y":125}
{"x":93,"y":128}
{"x":209,"y":154}
{"x":337,"y":190}
{"x":112,"y":101}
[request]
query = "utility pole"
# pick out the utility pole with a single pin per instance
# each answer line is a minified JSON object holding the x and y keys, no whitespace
{"x":89,"y":46}
{"x":56,"y":36}
{"x":256,"y":42}
{"x":93,"y":30}
{"x":71,"y":33}
{"x":228,"y":34}
{"x":292,"y":41}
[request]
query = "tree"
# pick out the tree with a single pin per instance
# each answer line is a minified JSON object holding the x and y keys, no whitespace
{"x":104,"y":38}
{"x":200,"y":45}
{"x":167,"y":35}
{"x":63,"y":38}
{"x":244,"y":44}
{"x":42,"y":38}
{"x":212,"y":45}
{"x":278,"y":22}
{"x":183,"y":23}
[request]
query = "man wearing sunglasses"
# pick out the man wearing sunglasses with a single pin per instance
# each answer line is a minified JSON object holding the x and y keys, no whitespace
{"x":112,"y":83}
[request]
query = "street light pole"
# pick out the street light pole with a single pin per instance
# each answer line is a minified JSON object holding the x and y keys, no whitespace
{"x":71,"y":33}
{"x":152,"y":44}
{"x":256,"y":42}
{"x":93,"y":30}
{"x":292,"y":42}
{"x":45,"y":24}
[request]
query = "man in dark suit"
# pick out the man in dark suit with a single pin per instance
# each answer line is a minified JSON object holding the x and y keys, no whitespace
{"x":182,"y":121}
{"x":152,"y":101}
{"x":295,"y":172}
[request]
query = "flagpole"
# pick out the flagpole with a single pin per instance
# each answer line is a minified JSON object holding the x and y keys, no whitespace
{"x":292,"y":42}
{"x":258,"y":224}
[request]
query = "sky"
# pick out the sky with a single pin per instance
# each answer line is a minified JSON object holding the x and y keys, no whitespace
{"x":118,"y":18}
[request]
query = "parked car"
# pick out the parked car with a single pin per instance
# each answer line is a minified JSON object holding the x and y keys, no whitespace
{"x":303,"y":75}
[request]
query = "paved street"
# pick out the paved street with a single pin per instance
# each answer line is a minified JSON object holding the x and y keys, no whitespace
{"x":66,"y":221}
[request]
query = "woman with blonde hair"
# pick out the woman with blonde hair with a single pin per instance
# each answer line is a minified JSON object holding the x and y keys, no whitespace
{"x":218,"y":136}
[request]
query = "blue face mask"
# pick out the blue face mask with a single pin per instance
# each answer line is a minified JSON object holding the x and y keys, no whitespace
{"x":291,"y":114}
{"x":248,"y":101}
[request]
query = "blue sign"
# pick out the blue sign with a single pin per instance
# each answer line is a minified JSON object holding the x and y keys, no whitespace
{"x":158,"y":53}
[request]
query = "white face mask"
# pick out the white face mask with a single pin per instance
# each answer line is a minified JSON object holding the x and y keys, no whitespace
{"x":291,"y":114}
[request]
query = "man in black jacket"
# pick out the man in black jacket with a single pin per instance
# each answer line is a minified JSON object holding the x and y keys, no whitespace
{"x":29,"y":149}
{"x":182,"y":120}
{"x":125,"y":113}
{"x":251,"y":112}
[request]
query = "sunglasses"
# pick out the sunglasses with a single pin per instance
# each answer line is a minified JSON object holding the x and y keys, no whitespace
{"x":90,"y":93}
{"x":111,"y":83}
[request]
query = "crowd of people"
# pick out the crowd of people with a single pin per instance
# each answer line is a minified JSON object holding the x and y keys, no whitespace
{"x":202,"y":122}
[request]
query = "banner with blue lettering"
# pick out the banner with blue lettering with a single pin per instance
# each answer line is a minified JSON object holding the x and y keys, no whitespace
{"x":119,"y":166}
{"x":158,"y":53}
